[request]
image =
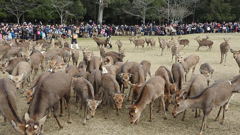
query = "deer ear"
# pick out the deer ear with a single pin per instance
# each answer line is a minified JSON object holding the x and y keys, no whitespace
{"x":26,"y":117}
{"x":42,"y":120}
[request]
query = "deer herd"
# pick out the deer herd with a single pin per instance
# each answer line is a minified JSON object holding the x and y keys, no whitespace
{"x":49,"y":73}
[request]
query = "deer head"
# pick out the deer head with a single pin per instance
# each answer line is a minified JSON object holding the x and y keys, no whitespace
{"x":118,"y":99}
{"x":92,"y":105}
{"x":34,"y":127}
{"x":134,"y":114}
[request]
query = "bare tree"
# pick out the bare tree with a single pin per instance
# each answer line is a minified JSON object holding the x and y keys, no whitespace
{"x":177,"y":10}
{"x":19,"y":7}
{"x":62,"y":8}
{"x":139,"y":8}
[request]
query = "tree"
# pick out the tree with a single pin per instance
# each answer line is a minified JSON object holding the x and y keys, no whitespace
{"x":139,"y":8}
{"x":177,"y":10}
{"x":101,"y":5}
{"x":19,"y":7}
{"x":216,"y":10}
{"x":62,"y":8}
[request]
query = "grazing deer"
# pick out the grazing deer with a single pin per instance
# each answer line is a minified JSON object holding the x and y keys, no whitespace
{"x":84,"y":91}
{"x":151,"y":90}
{"x":8,"y":107}
{"x":111,"y":93}
{"x":224,"y":49}
{"x":194,"y":87}
{"x":216,"y":95}
{"x":170,"y":86}
{"x":46,"y":97}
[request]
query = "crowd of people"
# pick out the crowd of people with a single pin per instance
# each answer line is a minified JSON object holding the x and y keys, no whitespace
{"x":31,"y":31}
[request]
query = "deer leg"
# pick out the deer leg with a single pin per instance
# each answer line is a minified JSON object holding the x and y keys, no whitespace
{"x":198,"y":48}
{"x":55,"y":116}
{"x":221,"y":61}
{"x":159,"y":106}
{"x":223,"y":116}
{"x":150,"y":109}
{"x":67,"y":98}
{"x":164,"y":109}
{"x":220,"y":109}
{"x":129,"y":94}
{"x":61,"y":108}
{"x":196,"y":113}
{"x":203,"y":124}
{"x":193,"y":69}
{"x":84,"y":114}
{"x":117,"y":110}
{"x":184,"y":113}
{"x":225,"y":60}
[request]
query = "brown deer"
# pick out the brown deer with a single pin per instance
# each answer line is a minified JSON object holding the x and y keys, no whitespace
{"x":102,"y":42}
{"x":216,"y":95}
{"x":162,"y":44}
{"x":146,"y":65}
{"x":184,"y":42}
{"x":178,"y":75}
{"x":236,"y":56}
{"x":139,"y":42}
{"x":46,"y":97}
{"x":151,"y":90}
{"x":204,"y":42}
{"x":111,"y":93}
{"x":224,"y":49}
{"x":189,"y":63}
{"x":170,"y":86}
{"x":194,"y":87}
{"x":84,"y":91}
{"x":119,"y":44}
{"x":8,"y":107}
{"x":206,"y":69}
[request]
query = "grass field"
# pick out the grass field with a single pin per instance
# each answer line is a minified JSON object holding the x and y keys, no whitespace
{"x":119,"y":125}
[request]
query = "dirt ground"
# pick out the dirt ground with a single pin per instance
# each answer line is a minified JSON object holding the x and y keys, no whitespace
{"x":119,"y":125}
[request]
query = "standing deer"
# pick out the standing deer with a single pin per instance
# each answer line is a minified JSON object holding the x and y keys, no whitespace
{"x":224,"y":49}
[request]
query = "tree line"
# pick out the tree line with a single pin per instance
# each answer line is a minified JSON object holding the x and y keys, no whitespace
{"x":119,"y":11}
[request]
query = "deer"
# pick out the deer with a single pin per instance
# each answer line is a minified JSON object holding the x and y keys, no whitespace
{"x":204,"y":42}
{"x":224,"y":49}
{"x":162,"y":44}
{"x":85,"y":92}
{"x":184,"y":42}
{"x":8,"y":107}
{"x":170,"y":86}
{"x":151,"y":90}
{"x":236,"y":56}
{"x":217,"y":95}
{"x":47,"y":95}
{"x":188,"y":63}
{"x":195,"y":86}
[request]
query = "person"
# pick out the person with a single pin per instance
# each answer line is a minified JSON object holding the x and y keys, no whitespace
{"x":74,"y":44}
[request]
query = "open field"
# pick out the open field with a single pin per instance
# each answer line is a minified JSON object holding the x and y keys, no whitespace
{"x":119,"y":125}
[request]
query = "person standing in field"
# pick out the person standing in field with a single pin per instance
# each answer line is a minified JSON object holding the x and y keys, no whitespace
{"x":74,"y":44}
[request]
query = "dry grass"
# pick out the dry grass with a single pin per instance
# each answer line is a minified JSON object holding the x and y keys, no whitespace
{"x":117,"y":125}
